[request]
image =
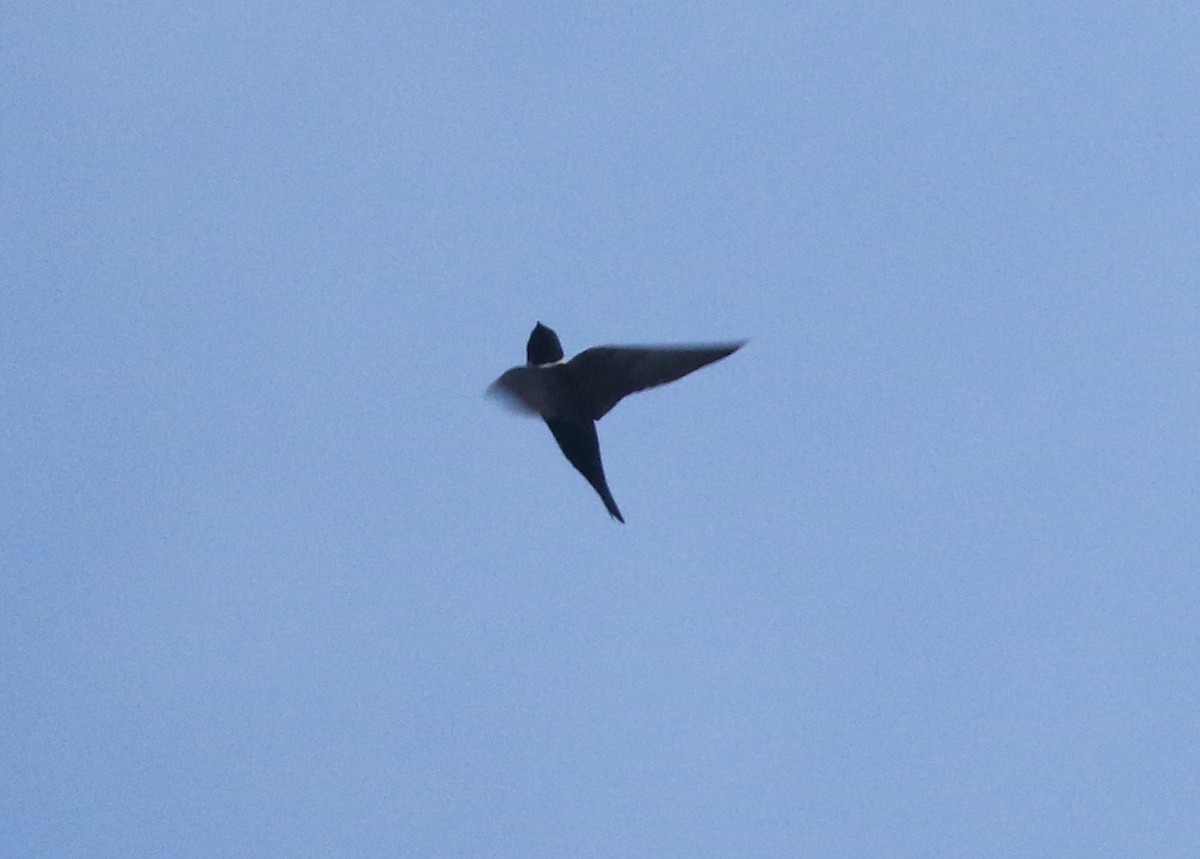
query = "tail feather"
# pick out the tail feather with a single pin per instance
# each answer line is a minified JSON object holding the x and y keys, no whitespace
{"x":581,"y":447}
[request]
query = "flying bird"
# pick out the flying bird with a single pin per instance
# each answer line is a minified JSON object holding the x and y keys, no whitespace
{"x":571,"y":396}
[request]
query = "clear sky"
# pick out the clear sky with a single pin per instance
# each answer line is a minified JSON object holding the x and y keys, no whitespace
{"x":915,"y":573}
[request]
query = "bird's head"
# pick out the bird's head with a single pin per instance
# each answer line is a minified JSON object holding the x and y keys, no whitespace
{"x":543,"y":346}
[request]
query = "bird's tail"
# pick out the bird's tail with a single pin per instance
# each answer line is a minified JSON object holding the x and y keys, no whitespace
{"x":578,"y":442}
{"x":607,"y":498}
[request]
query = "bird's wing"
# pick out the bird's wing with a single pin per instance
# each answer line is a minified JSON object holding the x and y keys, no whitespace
{"x":602,"y":376}
{"x":534,"y":390}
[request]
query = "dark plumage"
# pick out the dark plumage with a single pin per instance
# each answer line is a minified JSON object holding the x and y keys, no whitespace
{"x":571,"y":396}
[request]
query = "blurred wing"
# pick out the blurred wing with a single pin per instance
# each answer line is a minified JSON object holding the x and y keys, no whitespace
{"x":604,"y":375}
{"x":525,"y":389}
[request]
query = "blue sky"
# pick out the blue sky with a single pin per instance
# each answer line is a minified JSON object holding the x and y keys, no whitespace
{"x":914,"y":573}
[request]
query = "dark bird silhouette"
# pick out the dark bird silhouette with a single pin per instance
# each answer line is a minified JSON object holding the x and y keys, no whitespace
{"x":571,"y":396}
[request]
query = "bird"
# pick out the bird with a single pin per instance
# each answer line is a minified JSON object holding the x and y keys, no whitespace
{"x":571,"y":396}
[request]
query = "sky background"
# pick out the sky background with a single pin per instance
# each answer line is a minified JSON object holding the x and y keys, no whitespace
{"x":915,"y":573}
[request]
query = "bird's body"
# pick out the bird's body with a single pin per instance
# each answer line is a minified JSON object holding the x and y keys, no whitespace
{"x":571,"y":396}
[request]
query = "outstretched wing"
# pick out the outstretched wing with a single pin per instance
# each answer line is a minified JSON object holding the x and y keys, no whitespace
{"x":602,"y":376}
{"x":534,"y":390}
